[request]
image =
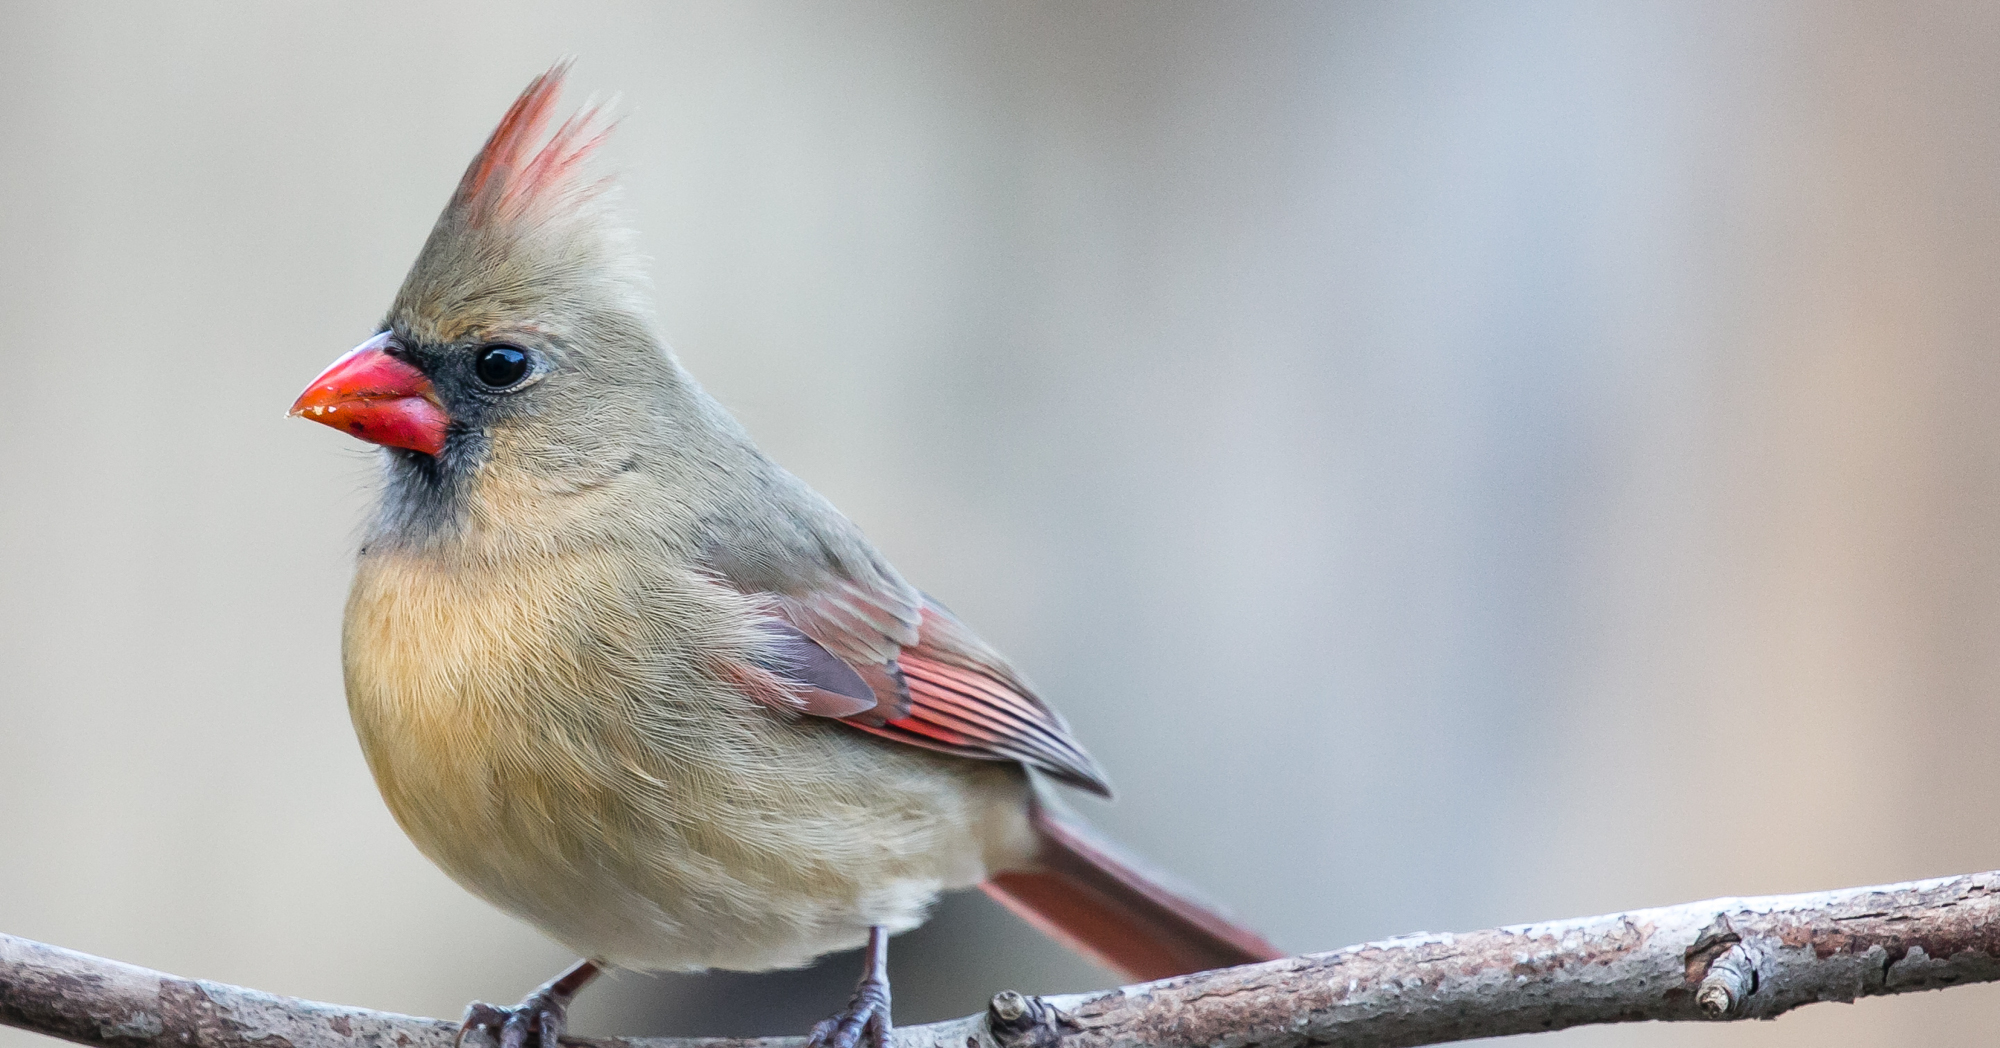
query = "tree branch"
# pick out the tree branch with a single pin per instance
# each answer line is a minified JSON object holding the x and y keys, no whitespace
{"x":1723,"y":959}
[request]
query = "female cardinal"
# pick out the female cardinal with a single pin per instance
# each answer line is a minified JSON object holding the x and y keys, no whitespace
{"x":620,"y":675}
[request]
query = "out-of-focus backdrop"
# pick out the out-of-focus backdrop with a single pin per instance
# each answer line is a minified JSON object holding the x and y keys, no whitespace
{"x":1454,"y":463}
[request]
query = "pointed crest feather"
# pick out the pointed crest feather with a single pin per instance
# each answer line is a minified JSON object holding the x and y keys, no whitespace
{"x":528,"y":237}
{"x":512,"y":178}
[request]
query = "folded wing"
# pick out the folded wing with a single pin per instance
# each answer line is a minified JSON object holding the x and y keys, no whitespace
{"x":935,"y":683}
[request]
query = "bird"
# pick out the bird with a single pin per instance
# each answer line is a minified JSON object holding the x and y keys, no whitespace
{"x":625,"y":678}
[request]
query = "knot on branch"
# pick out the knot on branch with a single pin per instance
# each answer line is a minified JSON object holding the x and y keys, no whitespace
{"x":1024,"y":1021}
{"x":1731,"y":979}
{"x":1726,"y":968}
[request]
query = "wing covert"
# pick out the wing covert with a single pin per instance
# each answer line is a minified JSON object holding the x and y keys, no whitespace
{"x":936,"y":685}
{"x":965,"y":699}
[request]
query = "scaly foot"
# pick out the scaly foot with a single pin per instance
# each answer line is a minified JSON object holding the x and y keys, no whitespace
{"x":538,"y":1020}
{"x":868,"y":1013}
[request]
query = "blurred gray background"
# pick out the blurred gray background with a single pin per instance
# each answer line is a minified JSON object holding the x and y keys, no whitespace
{"x":1454,"y":463}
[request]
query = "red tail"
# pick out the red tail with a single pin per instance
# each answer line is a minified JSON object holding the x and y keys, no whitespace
{"x":1108,"y":907}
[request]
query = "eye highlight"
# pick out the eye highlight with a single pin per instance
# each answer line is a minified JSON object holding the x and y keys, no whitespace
{"x":500,"y":366}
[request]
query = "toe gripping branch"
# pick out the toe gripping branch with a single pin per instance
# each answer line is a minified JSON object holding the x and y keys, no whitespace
{"x":867,"y":1013}
{"x":538,"y":1020}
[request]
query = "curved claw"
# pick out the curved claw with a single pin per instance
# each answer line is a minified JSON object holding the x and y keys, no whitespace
{"x":479,"y":1017}
{"x":868,"y":1013}
{"x":514,"y":1032}
{"x":537,"y":1022}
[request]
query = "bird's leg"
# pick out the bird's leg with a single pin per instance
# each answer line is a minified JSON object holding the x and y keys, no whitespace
{"x":540,"y":1015}
{"x":868,"y":1012}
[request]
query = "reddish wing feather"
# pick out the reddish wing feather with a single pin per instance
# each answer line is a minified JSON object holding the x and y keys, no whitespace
{"x":810,"y":679}
{"x":867,"y":626}
{"x":862,"y":623}
{"x":936,"y":684}
{"x":964,"y":700}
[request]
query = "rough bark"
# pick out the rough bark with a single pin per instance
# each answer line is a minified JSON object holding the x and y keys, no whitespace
{"x":1717,"y":960}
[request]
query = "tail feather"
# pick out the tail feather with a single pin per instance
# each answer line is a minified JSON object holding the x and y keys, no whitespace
{"x":1109,"y":907}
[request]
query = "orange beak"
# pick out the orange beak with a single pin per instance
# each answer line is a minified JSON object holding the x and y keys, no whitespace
{"x":369,"y":394}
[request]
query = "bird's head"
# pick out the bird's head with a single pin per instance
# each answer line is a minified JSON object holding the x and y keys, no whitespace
{"x":522,"y":333}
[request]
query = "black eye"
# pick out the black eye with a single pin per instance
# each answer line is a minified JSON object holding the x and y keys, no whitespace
{"x":501,"y":366}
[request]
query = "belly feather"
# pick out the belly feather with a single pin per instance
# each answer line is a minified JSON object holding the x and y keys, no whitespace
{"x":563,"y":757}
